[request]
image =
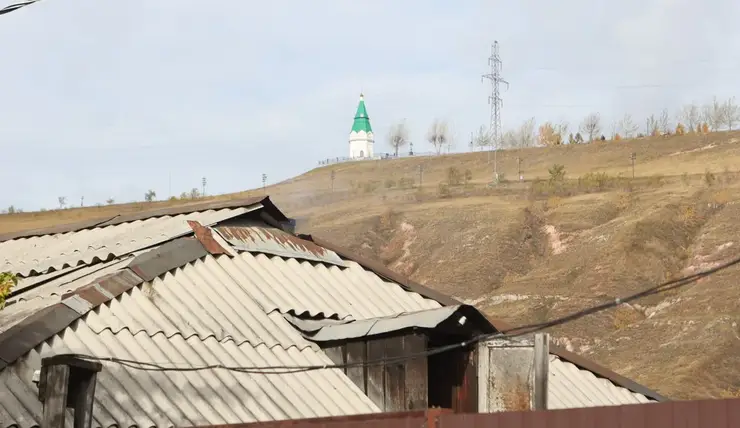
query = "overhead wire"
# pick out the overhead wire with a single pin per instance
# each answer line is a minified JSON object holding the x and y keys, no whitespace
{"x":527,"y":329}
{"x":16,"y":6}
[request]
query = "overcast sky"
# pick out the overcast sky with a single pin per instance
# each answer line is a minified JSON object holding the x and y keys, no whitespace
{"x":106,"y":99}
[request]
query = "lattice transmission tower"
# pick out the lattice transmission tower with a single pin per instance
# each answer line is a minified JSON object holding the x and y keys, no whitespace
{"x":495,"y":100}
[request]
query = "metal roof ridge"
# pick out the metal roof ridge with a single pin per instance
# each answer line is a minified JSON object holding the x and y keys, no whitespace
{"x":151,"y":213}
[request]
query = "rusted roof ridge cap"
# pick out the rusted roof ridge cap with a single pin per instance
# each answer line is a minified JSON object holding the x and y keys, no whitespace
{"x":155,"y":212}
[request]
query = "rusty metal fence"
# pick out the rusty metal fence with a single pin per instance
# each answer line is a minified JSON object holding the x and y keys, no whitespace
{"x":671,"y":414}
{"x":414,"y":419}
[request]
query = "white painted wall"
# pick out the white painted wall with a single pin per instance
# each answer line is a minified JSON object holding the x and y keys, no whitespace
{"x":361,"y":145}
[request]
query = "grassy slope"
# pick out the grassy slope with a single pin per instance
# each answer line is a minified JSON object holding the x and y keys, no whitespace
{"x":530,"y":251}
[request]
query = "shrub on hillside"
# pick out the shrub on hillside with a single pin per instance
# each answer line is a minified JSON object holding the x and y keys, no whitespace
{"x":443,"y":190}
{"x":680,"y":129}
{"x":557,"y":173}
{"x":370,"y":186}
{"x":454,"y":176}
{"x":468,"y":176}
{"x":595,"y":181}
{"x":406,"y":183}
{"x":709,"y":178}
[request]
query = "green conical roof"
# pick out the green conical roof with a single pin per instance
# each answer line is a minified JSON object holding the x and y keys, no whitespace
{"x":362,"y":121}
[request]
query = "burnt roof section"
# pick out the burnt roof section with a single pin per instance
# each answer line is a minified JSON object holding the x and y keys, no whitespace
{"x":265,"y":201}
{"x":500,"y":325}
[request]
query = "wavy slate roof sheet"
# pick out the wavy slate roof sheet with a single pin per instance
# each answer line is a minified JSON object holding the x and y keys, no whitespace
{"x":571,"y":387}
{"x":40,"y":254}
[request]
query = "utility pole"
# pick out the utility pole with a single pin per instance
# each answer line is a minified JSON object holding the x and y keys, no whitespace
{"x":203,"y":182}
{"x":633,"y":156}
{"x":82,"y":201}
{"x":264,"y":183}
{"x":169,"y":184}
{"x":519,"y":168}
{"x":496,"y":102}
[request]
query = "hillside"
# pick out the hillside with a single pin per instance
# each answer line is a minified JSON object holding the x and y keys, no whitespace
{"x":534,"y":250}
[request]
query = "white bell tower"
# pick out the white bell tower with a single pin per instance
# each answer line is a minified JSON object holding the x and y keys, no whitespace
{"x":361,"y":139}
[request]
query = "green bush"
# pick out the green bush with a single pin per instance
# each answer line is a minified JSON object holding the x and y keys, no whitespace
{"x":7,"y":282}
{"x":557,"y":172}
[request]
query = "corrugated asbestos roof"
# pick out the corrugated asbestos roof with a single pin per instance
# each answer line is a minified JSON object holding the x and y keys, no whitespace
{"x":196,"y":315}
{"x":571,"y":387}
{"x":199,"y":301}
{"x":41,"y":254}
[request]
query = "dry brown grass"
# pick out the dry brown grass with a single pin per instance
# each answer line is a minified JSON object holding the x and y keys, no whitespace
{"x":496,"y":245}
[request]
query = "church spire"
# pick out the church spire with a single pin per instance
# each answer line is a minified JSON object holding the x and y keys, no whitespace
{"x":362,"y":120}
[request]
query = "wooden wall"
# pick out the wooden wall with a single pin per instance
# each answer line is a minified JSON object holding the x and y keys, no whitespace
{"x":393,"y":387}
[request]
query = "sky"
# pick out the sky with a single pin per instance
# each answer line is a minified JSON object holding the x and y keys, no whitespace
{"x":107,"y":99}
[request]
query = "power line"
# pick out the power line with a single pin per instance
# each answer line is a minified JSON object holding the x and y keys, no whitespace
{"x":513,"y":332}
{"x":16,"y":6}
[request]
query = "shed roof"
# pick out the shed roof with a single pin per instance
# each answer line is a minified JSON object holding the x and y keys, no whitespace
{"x":236,"y":281}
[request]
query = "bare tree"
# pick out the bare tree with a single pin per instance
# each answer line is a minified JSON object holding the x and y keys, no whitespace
{"x":690,"y":116}
{"x":627,"y":126}
{"x":509,"y":140}
{"x":651,"y":126}
{"x":62,"y":201}
{"x":731,"y":113}
{"x":482,"y":138}
{"x":591,"y":126}
{"x":562,"y":129}
{"x":713,"y":114}
{"x":665,"y":122}
{"x":398,"y":136}
{"x":150,"y":195}
{"x":195,"y":193}
{"x":438,"y":135}
{"x":526,"y":137}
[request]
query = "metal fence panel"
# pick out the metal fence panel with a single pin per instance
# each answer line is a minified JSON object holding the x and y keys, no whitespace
{"x":684,"y":414}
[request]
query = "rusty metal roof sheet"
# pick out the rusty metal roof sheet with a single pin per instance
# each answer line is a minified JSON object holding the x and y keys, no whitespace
{"x":571,"y":387}
{"x":41,"y":254}
{"x":271,"y":240}
{"x":224,"y":326}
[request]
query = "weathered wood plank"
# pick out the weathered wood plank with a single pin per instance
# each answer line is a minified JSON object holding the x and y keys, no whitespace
{"x":416,"y":373}
{"x":395,"y":375}
{"x":375,"y":373}
{"x":55,"y":395}
{"x":357,"y":353}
